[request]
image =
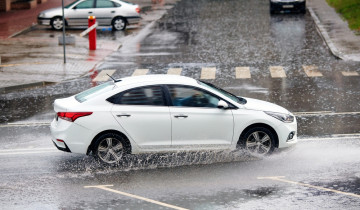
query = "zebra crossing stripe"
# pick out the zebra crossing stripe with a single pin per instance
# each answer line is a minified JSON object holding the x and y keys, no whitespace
{"x":174,"y":71}
{"x":349,"y":73}
{"x":208,"y":73}
{"x":242,"y":73}
{"x":312,"y":71}
{"x":277,"y":72}
{"x":102,"y":76}
{"x":139,"y":72}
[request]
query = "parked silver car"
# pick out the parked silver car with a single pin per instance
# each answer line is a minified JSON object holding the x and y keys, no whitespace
{"x":117,"y":13}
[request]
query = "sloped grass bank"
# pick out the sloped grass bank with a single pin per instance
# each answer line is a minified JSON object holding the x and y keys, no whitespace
{"x":350,"y":10}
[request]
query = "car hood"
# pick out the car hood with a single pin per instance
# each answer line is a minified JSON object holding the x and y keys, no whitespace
{"x":260,"y":105}
{"x":52,"y":11}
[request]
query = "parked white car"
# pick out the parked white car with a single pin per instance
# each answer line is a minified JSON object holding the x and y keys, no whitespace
{"x":116,"y":13}
{"x":165,"y":113}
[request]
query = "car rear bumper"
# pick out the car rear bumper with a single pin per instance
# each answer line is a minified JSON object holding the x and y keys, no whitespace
{"x":133,"y":20}
{"x":70,"y":137}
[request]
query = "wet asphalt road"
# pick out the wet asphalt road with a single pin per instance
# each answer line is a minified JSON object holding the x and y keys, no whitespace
{"x":193,"y":35}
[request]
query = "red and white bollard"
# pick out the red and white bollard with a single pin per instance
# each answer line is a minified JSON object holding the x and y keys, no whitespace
{"x":92,"y":33}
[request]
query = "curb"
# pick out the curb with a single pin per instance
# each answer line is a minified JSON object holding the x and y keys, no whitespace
{"x":23,"y":31}
{"x":325,"y":36}
{"x":24,"y":86}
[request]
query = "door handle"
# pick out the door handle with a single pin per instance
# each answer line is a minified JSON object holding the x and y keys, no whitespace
{"x":123,"y":115}
{"x":181,"y":115}
{"x":112,"y":11}
{"x":90,"y":12}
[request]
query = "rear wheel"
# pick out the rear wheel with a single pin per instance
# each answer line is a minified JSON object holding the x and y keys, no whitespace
{"x":258,"y":141}
{"x":119,"y":23}
{"x":57,"y":23}
{"x":109,"y":148}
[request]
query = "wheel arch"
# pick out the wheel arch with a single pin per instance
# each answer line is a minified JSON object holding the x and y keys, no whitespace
{"x":128,"y":148}
{"x":259,"y":125}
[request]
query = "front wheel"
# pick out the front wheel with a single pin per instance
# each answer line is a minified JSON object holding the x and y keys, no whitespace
{"x":57,"y":23}
{"x":259,"y":141}
{"x":109,"y":148}
{"x":119,"y":23}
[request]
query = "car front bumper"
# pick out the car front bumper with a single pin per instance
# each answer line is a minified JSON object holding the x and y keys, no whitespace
{"x":284,"y":130}
{"x":284,"y":6}
{"x":43,"y":21}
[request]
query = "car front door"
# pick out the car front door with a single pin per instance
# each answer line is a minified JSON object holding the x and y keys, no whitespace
{"x":143,"y":114}
{"x":78,"y":15}
{"x":197,"y":121}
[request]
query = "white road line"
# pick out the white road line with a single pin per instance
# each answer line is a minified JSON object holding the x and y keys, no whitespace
{"x":24,"y":124}
{"x":208,"y":73}
{"x":27,"y":153}
{"x":105,"y":187}
{"x":281,"y":179}
{"x":323,"y":113}
{"x":277,"y":72}
{"x":332,"y":137}
{"x":102,"y":76}
{"x":174,"y":71}
{"x":349,"y":73}
{"x":139,"y":72}
{"x":242,"y":73}
{"x":312,"y":71}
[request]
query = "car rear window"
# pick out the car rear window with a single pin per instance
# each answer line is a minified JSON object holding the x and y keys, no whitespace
{"x":93,"y":92}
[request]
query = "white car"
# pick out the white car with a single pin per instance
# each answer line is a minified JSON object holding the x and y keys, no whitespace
{"x":116,"y":13}
{"x":166,"y":113}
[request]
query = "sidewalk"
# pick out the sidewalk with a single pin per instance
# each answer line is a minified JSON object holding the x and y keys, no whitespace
{"x":34,"y":57}
{"x":342,"y":42}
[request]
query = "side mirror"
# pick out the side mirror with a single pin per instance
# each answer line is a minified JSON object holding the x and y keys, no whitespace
{"x":222,"y":105}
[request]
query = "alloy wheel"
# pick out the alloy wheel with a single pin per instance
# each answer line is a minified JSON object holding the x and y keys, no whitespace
{"x":258,"y":143}
{"x":110,"y":150}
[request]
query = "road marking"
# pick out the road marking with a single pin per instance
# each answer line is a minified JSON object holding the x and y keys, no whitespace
{"x":281,"y":179}
{"x":28,"y":151}
{"x":20,"y":64}
{"x":349,"y":73}
{"x":25,"y":124}
{"x":102,"y":76}
{"x":242,"y":73}
{"x":174,"y":71}
{"x":277,"y":72}
{"x":208,"y":73}
{"x":105,"y":187}
{"x":323,"y":113}
{"x":139,"y":72}
{"x":332,"y":137}
{"x":312,"y":71}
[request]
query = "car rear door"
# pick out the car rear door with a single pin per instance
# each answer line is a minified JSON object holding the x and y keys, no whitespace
{"x":105,"y":11}
{"x":143,"y":114}
{"x":197,"y":121}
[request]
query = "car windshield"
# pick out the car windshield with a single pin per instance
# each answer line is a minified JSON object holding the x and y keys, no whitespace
{"x":223,"y":92}
{"x":95,"y":91}
{"x":69,"y":5}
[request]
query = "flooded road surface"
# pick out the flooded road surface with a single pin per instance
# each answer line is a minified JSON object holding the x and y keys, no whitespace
{"x":318,"y":173}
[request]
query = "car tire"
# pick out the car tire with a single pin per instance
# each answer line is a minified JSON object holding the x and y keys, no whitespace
{"x":119,"y":23}
{"x":110,"y":148}
{"x":57,"y":23}
{"x":258,"y":142}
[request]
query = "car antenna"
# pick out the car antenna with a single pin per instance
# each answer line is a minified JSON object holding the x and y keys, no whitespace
{"x":113,"y":78}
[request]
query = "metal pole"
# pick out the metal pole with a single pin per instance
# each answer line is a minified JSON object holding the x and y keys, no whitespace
{"x":63,"y":19}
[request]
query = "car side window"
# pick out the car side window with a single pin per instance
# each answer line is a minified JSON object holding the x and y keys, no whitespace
{"x":85,"y":5}
{"x":104,"y":4}
{"x":192,"y":97}
{"x":152,"y":96}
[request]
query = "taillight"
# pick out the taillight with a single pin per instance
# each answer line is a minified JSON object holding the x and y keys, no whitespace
{"x":137,"y":9}
{"x":72,"y":116}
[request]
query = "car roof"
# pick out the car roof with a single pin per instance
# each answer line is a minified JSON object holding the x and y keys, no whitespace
{"x":156,"y":79}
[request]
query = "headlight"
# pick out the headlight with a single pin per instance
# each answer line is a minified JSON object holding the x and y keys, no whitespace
{"x":41,"y":15}
{"x":287,"y":118}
